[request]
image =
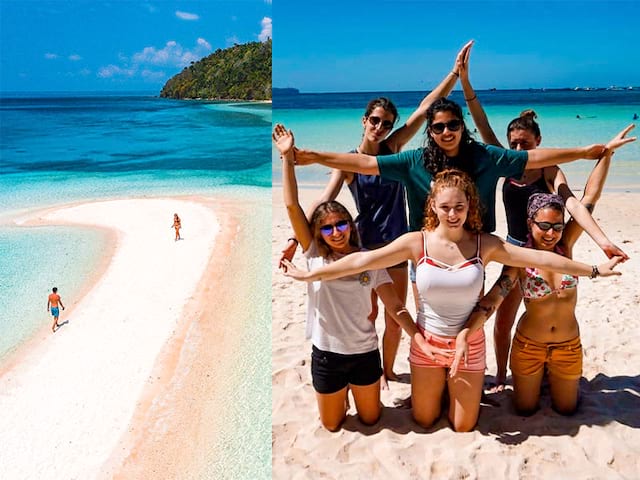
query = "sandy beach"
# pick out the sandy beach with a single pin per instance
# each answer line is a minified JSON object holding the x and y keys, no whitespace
{"x":601,"y":441}
{"x":126,"y":372}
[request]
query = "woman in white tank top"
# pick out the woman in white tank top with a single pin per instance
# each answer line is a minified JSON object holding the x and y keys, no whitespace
{"x":450,"y":253}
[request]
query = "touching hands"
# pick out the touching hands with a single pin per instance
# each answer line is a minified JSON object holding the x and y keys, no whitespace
{"x":607,"y":268}
{"x":283,"y":139}
{"x":461,"y":65}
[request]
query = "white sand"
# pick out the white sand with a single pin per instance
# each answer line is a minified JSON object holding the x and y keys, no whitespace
{"x":601,"y":441}
{"x":66,"y":404}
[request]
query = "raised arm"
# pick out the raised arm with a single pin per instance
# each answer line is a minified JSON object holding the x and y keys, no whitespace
{"x":398,"y":251}
{"x":581,"y":211}
{"x":284,"y":142}
{"x":404,"y":134}
{"x":473,"y":104}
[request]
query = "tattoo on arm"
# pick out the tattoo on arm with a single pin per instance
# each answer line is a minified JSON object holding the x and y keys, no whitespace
{"x":506,"y":284}
{"x":488,"y":311}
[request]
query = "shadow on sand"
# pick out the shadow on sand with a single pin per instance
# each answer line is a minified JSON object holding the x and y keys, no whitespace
{"x":603,"y":400}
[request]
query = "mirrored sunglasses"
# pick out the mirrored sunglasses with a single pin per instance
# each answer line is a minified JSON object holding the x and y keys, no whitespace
{"x":544,"y":226}
{"x":341,"y":226}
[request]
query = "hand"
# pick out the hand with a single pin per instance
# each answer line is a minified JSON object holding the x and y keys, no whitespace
{"x":283,"y":139}
{"x":290,"y":270}
{"x":461,"y":65}
{"x":288,"y":252}
{"x":606,"y":269}
{"x":430,"y":350}
{"x":462,"y":352}
{"x":620,"y":139}
{"x":611,"y":250}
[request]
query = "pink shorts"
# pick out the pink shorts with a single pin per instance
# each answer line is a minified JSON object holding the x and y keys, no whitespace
{"x":476,"y":358}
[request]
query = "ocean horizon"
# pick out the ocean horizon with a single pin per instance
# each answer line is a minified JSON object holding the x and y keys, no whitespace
{"x":567,"y":118}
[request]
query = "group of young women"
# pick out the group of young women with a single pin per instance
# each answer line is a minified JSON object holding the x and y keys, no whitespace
{"x":450,"y":189}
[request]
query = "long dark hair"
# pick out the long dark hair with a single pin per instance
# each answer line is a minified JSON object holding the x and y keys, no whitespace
{"x":318,"y":215}
{"x":434,"y":158}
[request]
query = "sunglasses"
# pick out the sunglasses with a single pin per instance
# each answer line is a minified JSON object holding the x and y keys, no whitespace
{"x":341,"y":226}
{"x":452,"y":125}
{"x":544,"y":226}
{"x":374,"y":121}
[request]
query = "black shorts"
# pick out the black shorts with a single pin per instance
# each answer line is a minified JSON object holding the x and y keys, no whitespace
{"x":332,"y":372}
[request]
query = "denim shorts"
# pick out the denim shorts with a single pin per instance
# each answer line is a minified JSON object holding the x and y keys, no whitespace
{"x":514,"y":241}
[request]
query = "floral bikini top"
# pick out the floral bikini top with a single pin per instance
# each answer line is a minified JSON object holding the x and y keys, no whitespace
{"x":534,"y":286}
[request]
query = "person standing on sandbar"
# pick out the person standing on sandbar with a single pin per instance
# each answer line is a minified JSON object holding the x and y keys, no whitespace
{"x":52,"y":302}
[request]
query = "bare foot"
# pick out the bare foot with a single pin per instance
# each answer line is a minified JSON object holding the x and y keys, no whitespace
{"x":495,"y":388}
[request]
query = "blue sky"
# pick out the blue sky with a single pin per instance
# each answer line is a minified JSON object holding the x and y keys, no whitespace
{"x":374,"y":45}
{"x":89,"y":45}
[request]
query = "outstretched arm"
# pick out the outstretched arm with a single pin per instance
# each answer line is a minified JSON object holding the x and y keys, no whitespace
{"x":477,"y":112}
{"x":350,"y":162}
{"x":284,"y":142}
{"x":546,"y":157}
{"x":507,"y":254}
{"x":396,"y":252}
{"x":404,"y":134}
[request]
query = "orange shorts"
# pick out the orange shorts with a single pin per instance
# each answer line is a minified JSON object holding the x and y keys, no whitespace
{"x":563,"y":359}
{"x":477,"y":353}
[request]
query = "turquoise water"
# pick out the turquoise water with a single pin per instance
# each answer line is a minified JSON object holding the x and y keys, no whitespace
{"x":58,"y":149}
{"x":332,"y":122}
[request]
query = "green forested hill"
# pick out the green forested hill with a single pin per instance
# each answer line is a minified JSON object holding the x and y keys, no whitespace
{"x":239,"y":72}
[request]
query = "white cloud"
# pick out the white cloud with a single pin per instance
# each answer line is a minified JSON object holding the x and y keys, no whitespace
{"x":75,"y":57}
{"x":50,"y":56}
{"x":267,"y":2}
{"x":111,"y":71}
{"x":204,"y":44}
{"x":232,"y":40}
{"x":85,"y":72}
{"x":186,"y":15}
{"x":173,"y":54}
{"x":266,"y":29}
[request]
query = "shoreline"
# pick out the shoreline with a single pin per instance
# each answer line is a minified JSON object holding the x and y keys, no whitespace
{"x":26,"y":373}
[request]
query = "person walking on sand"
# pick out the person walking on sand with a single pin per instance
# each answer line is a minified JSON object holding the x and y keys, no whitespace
{"x":52,"y":305}
{"x":177,"y":225}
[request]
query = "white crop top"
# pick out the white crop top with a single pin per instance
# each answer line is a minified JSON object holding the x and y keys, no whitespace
{"x":447,"y":293}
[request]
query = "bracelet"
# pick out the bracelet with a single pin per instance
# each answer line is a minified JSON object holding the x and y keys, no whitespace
{"x":594,"y":272}
{"x":456,"y":74}
{"x":471,"y":99}
{"x":294,"y":239}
